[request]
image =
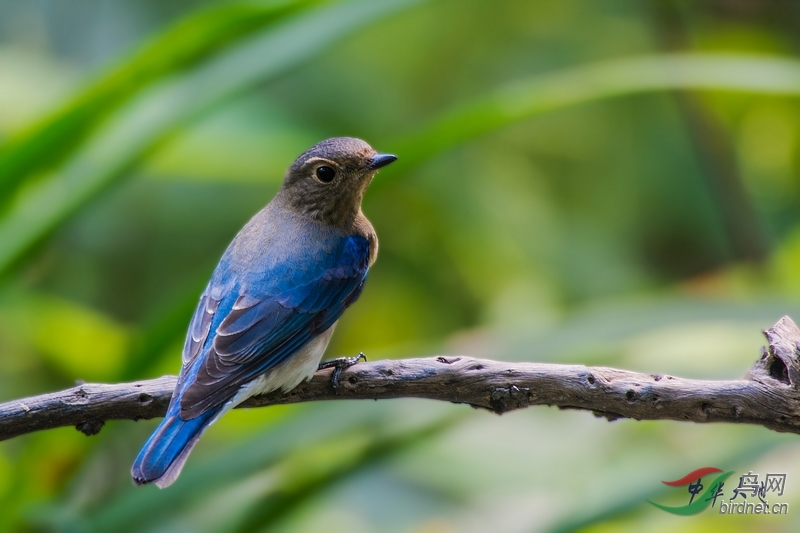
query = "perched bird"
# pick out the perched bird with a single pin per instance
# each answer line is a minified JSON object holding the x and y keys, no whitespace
{"x":266,"y":316}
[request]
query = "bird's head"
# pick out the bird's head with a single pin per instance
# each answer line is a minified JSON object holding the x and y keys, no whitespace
{"x":327,"y":182}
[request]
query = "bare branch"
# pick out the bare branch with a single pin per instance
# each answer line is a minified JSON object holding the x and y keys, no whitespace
{"x":769,"y":396}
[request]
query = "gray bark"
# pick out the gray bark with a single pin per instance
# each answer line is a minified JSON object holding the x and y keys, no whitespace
{"x":768,"y":396}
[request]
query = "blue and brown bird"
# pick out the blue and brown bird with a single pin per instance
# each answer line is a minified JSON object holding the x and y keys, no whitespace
{"x":265,"y":318}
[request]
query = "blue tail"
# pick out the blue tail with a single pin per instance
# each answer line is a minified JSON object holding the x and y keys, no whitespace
{"x":163,"y":455}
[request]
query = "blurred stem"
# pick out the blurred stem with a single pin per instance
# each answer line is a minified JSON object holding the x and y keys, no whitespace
{"x":747,"y":238}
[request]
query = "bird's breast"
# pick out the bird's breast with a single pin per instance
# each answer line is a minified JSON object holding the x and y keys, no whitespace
{"x":363,"y":227}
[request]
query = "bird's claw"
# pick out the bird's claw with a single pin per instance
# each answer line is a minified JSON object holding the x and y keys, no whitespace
{"x":339,"y":364}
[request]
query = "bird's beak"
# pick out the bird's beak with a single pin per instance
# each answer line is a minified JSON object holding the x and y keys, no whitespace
{"x":380,"y":161}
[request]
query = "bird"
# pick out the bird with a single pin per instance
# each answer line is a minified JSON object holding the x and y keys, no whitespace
{"x":270,"y":308}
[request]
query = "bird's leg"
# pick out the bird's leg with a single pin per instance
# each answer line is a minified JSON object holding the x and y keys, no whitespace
{"x":339,"y":364}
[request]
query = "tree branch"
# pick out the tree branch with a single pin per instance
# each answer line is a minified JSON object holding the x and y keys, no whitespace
{"x":769,"y":396}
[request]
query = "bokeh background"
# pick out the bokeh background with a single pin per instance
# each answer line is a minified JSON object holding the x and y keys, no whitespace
{"x":607,"y":183}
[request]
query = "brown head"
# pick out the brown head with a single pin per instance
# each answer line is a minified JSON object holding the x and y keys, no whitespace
{"x":327,"y":182}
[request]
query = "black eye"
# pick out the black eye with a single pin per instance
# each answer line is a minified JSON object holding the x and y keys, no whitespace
{"x":325,"y":174}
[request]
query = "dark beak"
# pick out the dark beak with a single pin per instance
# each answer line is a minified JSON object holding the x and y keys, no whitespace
{"x":380,"y":161}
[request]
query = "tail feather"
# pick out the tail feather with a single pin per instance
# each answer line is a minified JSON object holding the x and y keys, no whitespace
{"x":165,"y":452}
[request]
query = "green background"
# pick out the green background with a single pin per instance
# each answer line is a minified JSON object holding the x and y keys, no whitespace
{"x":607,"y":183}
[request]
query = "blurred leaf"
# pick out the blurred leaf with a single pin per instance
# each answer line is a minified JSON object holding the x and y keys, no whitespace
{"x":742,"y":460}
{"x":229,"y":145}
{"x":542,"y":93}
{"x":304,"y":480}
{"x":181,"y":46}
{"x":538,"y":242}
{"x":164,"y":328}
{"x":273,"y":472}
{"x":6,"y":474}
{"x":153,"y":118}
{"x":78,"y":341}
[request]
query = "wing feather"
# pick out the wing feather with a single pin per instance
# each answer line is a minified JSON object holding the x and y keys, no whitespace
{"x":199,"y":327}
{"x":237,"y":335}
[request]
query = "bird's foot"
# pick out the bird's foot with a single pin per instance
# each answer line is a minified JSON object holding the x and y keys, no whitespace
{"x":339,"y":364}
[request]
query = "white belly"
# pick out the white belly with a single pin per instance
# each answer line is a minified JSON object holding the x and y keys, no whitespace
{"x":289,"y":374}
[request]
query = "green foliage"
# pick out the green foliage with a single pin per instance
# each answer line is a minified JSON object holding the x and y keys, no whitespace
{"x":190,"y":41}
{"x":555,"y":200}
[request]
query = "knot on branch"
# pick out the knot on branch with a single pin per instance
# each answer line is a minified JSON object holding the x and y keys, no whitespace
{"x":90,"y":426}
{"x":505,"y":399}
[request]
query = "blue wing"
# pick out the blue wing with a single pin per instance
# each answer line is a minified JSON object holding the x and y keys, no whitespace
{"x":244,"y":327}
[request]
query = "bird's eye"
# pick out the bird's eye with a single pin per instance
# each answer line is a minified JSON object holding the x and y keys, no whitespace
{"x":325,"y":174}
